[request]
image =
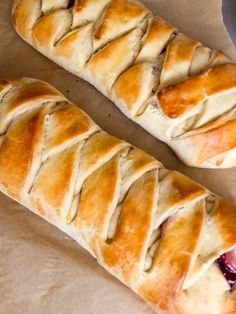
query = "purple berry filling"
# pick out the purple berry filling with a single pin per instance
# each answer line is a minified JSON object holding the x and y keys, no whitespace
{"x":228,"y":270}
{"x":70,"y":4}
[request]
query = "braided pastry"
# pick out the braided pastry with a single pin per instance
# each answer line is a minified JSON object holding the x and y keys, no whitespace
{"x":166,"y":237}
{"x":180,"y":91}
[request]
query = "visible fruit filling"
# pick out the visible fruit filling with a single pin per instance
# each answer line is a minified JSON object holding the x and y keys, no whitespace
{"x":227,"y":264}
{"x":70,"y":4}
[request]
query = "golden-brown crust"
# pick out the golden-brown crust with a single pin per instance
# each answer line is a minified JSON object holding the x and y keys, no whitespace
{"x":128,"y":86}
{"x":69,"y":46}
{"x":183,"y":190}
{"x":67,"y":125}
{"x":81,"y":4}
{"x":159,"y":27}
{"x":212,"y":142}
{"x":176,"y":100}
{"x":225,"y":216}
{"x":88,"y":11}
{"x":24,"y":15}
{"x":149,"y":226}
{"x":179,"y":55}
{"x":136,"y":164}
{"x":127,"y":250}
{"x":47,"y":32}
{"x":98,"y":149}
{"x":134,"y":86}
{"x":53,"y":193}
{"x":66,"y":46}
{"x":140,"y":161}
{"x":162,"y":285}
{"x":32,"y":93}
{"x":97,"y":201}
{"x":230,"y":305}
{"x":120,"y":17}
{"x":157,"y":38}
{"x":20,"y":147}
{"x":108,"y":63}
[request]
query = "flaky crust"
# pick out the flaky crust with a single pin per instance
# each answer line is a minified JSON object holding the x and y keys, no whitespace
{"x":180,"y":91}
{"x":156,"y":230}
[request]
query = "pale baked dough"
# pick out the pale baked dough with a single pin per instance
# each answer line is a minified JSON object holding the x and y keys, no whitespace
{"x":156,"y":230}
{"x":180,"y":91}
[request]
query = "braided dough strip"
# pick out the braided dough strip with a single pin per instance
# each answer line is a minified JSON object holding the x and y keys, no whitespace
{"x":133,"y":215}
{"x":180,"y":91}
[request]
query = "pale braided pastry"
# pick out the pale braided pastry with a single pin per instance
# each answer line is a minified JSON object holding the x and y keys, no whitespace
{"x":163,"y":235}
{"x":180,"y":91}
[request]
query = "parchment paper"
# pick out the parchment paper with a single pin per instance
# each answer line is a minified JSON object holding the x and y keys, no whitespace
{"x":41,"y":269}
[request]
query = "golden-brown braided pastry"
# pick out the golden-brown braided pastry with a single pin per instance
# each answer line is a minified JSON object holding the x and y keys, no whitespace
{"x":166,"y":237}
{"x":180,"y":91}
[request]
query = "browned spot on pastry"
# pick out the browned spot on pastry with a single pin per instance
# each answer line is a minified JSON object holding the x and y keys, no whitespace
{"x":180,"y":49}
{"x":47,"y":31}
{"x":67,"y":46}
{"x":159,"y":28}
{"x":134,"y":86}
{"x":128,"y":86}
{"x":121,"y":12}
{"x":182,"y":97}
{"x":4,"y":84}
{"x":80,"y":5}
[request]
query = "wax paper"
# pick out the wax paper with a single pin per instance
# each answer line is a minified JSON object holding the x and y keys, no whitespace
{"x":41,"y":269}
